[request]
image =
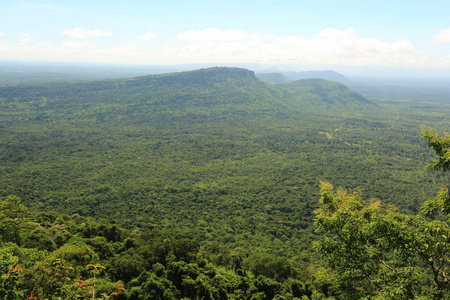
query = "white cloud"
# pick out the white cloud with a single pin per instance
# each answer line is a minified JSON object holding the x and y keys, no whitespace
{"x":81,"y":33}
{"x":76,"y":51}
{"x":443,"y":36}
{"x":26,"y":37}
{"x":2,"y":34}
{"x":328,"y":47}
{"x":72,"y":45}
{"x":147,"y":37}
{"x":213,"y":34}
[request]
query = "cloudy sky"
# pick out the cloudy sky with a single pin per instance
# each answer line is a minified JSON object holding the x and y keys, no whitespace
{"x":400,"y":33}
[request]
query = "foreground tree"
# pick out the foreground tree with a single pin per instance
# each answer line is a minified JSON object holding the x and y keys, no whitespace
{"x":376,"y":252}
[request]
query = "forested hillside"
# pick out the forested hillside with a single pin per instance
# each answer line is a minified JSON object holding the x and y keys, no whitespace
{"x":273,"y":78}
{"x":195,"y":185}
{"x":285,"y":77}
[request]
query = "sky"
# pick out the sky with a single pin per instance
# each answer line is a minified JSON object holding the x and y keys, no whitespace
{"x":395,"y":33}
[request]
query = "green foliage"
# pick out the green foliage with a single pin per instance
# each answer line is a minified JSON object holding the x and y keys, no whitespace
{"x":371,"y":246}
{"x":326,"y":95}
{"x":203,"y":185}
{"x":127,"y":266}
{"x":380,"y":253}
{"x":11,"y":207}
{"x":148,"y":286}
{"x":10,"y":271}
{"x":269,"y":265}
{"x":152,"y":264}
{"x":10,"y":231}
{"x":441,"y":146}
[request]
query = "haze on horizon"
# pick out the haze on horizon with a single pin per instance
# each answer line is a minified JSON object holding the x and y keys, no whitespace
{"x":394,"y":34}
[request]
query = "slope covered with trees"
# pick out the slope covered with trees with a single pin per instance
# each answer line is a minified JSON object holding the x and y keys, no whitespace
{"x":187,"y":184}
{"x":273,"y":78}
{"x":327,"y":75}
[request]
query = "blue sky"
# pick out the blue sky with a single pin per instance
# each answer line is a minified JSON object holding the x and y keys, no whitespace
{"x":316,"y":32}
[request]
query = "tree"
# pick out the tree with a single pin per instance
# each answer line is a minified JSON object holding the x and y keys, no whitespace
{"x":10,"y":207}
{"x":10,"y":211}
{"x":10,"y":275}
{"x":269,"y":265}
{"x":376,"y":252}
{"x":440,"y":145}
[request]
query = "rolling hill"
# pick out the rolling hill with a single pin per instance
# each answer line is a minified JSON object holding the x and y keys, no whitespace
{"x":202,"y":93}
{"x":208,"y":114}
{"x":327,"y":75}
{"x":273,"y":78}
{"x":215,"y":144}
{"x":206,"y":172}
{"x":286,"y":77}
{"x":327,"y":95}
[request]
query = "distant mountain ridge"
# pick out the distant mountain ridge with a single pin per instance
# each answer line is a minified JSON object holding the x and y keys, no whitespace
{"x":330,"y":92}
{"x":327,"y":75}
{"x":273,"y":78}
{"x":198,"y":77}
{"x":207,"y":93}
{"x":285,"y":77}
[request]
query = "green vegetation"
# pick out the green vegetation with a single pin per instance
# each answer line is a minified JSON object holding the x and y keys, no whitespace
{"x":273,"y":78}
{"x":197,"y":185}
{"x":285,"y":77}
{"x":378,"y":252}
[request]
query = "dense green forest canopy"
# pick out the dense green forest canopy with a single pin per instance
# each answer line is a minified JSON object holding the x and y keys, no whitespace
{"x":215,"y":160}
